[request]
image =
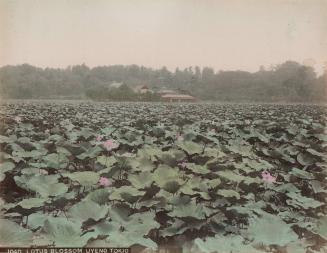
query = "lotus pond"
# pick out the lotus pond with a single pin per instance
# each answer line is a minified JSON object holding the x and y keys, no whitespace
{"x":204,"y":177}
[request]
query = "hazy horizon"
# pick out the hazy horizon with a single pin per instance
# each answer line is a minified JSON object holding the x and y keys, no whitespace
{"x":224,"y":35}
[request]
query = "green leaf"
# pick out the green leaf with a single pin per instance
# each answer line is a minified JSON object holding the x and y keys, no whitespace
{"x":104,"y":228}
{"x":198,"y":169}
{"x":223,"y":244}
{"x":191,"y":209}
{"x":84,"y":178}
{"x":140,"y":163}
{"x":149,"y":152}
{"x":302,"y":174}
{"x":127,"y":193}
{"x":142,"y":180}
{"x":305,"y":159}
{"x":317,"y":186}
{"x":296,"y":247}
{"x":119,"y":213}
{"x":258,"y":165}
{"x":126,"y":239}
{"x":229,"y":194}
{"x":316,"y":153}
{"x":5,"y":139}
{"x":176,"y":228}
{"x":243,"y":150}
{"x":190,"y":147}
{"x":36,"y":220}
{"x":252,"y":209}
{"x":46,"y":185}
{"x":171,"y":157}
{"x":299,"y":201}
{"x":107,"y":161}
{"x":100,"y":196}
{"x":90,"y":153}
{"x":288,"y":187}
{"x":64,"y":232}
{"x":234,"y":177}
{"x":270,"y":230}
{"x":86,"y":210}
{"x":142,"y":223}
{"x":165,"y":174}
{"x":22,"y":180}
{"x":322,"y":227}
{"x":56,"y":161}
{"x":13,"y":235}
{"x":34,"y":171}
{"x":6,"y":166}
{"x":31,"y":203}
{"x":135,"y":229}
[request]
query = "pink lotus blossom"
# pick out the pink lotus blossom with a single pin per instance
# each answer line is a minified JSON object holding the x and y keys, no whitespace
{"x":43,"y":172}
{"x":98,"y":138}
{"x":104,"y":181}
{"x":18,"y":119}
{"x":183,"y":164}
{"x":110,"y":144}
{"x":266,"y":176}
{"x":179,"y":137}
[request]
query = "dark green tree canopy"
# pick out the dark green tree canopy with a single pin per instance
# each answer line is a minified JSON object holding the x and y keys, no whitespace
{"x":287,"y":82}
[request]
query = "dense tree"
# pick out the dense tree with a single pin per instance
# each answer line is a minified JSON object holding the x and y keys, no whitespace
{"x":287,"y":82}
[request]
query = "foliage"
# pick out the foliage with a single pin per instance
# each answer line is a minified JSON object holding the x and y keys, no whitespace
{"x":188,"y":174}
{"x":286,"y":82}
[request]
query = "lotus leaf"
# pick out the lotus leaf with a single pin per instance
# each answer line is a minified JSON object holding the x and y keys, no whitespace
{"x":64,"y":233}
{"x":305,"y":159}
{"x":190,"y":147}
{"x":13,"y":235}
{"x":299,"y":201}
{"x":270,"y":230}
{"x":127,"y":193}
{"x":86,"y":210}
{"x":99,"y":196}
{"x":229,"y":193}
{"x":222,"y":244}
{"x":84,"y":178}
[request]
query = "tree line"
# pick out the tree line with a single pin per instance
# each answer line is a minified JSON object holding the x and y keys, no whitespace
{"x":286,"y":82}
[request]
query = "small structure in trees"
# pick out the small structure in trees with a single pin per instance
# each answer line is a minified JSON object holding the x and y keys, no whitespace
{"x":166,"y":92}
{"x":178,"y":98}
{"x":142,"y":89}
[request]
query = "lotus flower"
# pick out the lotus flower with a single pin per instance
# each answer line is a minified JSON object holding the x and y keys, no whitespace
{"x":43,"y":172}
{"x":18,"y":119}
{"x":98,"y":138}
{"x":183,"y":164}
{"x":110,"y":144}
{"x":104,"y":181}
{"x":179,"y":137}
{"x":266,"y":176}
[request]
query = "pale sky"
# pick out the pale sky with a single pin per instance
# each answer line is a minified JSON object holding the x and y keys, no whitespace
{"x":223,"y":34}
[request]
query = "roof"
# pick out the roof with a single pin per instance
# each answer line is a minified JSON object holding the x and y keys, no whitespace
{"x":178,"y":96}
{"x":167,"y":91}
{"x":142,"y":89}
{"x":115,"y":85}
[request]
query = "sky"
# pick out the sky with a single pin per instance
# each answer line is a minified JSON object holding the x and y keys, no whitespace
{"x":222,"y":34}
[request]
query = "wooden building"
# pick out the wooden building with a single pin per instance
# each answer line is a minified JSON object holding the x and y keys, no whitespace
{"x":178,"y":98}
